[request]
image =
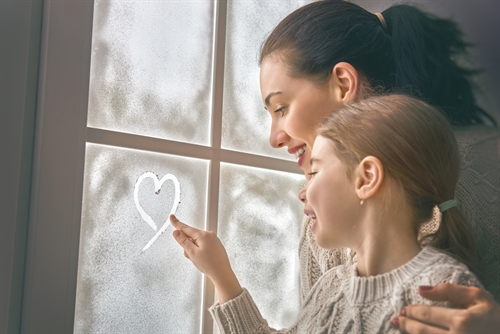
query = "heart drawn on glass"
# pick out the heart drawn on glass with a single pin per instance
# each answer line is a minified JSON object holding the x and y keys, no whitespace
{"x":147,"y":218}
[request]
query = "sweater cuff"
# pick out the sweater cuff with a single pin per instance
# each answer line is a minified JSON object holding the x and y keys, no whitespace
{"x":239,"y":315}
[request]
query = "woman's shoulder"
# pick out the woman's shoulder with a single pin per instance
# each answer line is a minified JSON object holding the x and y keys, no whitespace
{"x":478,"y":144}
{"x":477,"y":135}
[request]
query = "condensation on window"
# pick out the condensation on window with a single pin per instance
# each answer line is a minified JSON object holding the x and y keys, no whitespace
{"x":259,"y":223}
{"x":151,"y":68}
{"x":245,"y":122}
{"x":120,"y":287}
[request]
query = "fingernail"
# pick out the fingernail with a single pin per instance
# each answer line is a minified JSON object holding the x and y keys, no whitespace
{"x":395,"y":322}
{"x":403,"y":312}
{"x":176,"y":234}
{"x":425,"y":287}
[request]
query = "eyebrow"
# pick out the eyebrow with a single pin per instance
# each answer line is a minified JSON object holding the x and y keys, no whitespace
{"x":268,"y":97}
{"x":314,"y":160}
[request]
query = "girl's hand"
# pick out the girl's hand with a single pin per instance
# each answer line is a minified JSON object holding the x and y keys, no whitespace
{"x":208,"y":254}
{"x":481,"y":314}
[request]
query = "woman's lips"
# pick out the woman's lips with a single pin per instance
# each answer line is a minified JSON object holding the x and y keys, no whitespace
{"x":298,"y":151}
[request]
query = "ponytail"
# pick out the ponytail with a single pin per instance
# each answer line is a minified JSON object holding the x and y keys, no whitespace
{"x":425,"y":48}
{"x":416,"y":54}
{"x":454,"y":237}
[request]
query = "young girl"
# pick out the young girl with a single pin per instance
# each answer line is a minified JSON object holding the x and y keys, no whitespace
{"x":378,"y":168}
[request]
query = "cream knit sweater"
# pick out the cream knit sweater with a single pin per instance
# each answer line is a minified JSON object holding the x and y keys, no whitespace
{"x":343,"y":302}
{"x":478,"y":194}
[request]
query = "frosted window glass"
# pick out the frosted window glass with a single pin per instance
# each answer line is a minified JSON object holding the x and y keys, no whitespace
{"x":121,"y":289}
{"x":245,"y":122}
{"x":151,"y":68}
{"x":259,"y":223}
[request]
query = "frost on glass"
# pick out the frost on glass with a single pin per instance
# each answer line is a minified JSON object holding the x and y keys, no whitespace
{"x":259,"y":223}
{"x":245,"y":123}
{"x":120,"y":288}
{"x":151,"y":68}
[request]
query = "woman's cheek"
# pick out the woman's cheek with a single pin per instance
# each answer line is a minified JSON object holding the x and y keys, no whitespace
{"x":306,"y":162}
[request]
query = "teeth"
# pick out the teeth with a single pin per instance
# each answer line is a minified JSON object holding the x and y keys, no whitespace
{"x":312,"y":216}
{"x":300,"y":151}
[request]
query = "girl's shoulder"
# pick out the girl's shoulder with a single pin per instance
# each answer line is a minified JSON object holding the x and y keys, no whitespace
{"x":443,"y":268}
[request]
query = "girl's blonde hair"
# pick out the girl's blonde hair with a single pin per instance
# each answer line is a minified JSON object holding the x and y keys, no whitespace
{"x":417,"y":148}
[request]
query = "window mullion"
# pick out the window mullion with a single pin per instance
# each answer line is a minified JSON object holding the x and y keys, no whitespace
{"x":216,"y":134}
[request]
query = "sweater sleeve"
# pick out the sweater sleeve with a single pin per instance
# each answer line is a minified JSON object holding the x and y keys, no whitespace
{"x":240,"y":315}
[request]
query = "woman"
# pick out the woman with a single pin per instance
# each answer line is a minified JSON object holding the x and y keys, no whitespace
{"x":331,"y":53}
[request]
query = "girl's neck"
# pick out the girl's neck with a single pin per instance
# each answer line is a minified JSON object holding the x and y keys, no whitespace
{"x":386,"y":242}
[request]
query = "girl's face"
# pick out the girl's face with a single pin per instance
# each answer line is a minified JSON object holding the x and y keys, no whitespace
{"x":330,"y":198}
{"x":296,"y":106}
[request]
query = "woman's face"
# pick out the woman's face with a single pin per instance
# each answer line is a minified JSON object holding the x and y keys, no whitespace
{"x":296,"y":106}
{"x":330,"y":199}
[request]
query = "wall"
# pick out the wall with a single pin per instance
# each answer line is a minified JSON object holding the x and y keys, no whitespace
{"x":20,"y":43}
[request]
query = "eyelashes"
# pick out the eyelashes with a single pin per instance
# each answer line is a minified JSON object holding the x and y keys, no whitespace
{"x":281,"y":111}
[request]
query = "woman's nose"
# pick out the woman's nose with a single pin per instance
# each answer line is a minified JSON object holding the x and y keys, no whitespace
{"x":278,"y":137}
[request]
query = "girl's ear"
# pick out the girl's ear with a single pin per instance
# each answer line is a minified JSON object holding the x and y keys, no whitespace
{"x":369,"y":176}
{"x":344,"y":81}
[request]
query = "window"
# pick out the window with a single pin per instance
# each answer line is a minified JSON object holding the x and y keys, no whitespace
{"x":174,"y":91}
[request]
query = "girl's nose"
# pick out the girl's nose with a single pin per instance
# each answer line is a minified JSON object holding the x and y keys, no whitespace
{"x":278,"y":137}
{"x":302,"y":194}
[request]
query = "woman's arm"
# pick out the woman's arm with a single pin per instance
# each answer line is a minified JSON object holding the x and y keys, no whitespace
{"x":480,"y":312}
{"x":209,"y":256}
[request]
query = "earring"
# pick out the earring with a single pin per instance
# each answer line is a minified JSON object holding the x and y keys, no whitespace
{"x":361,"y":203}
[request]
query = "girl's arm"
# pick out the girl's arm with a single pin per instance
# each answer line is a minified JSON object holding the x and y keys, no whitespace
{"x":236,"y":312}
{"x":481,"y":313}
{"x":208,"y":254}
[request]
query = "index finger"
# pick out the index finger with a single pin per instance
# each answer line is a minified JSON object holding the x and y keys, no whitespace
{"x":461,"y":295}
{"x":191,"y":232}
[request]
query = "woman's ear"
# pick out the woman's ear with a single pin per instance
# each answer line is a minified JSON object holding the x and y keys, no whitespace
{"x":344,"y":81}
{"x":369,"y":176}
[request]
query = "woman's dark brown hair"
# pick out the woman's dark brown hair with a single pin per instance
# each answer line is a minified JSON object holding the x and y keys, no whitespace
{"x":417,"y":55}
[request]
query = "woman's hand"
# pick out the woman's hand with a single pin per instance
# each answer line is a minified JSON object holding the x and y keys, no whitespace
{"x":208,"y":254}
{"x":480,"y":313}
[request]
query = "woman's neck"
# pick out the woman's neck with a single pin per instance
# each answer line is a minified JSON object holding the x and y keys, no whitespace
{"x":386,"y":241}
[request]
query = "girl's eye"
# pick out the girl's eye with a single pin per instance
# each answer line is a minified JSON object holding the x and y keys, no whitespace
{"x":311,"y":174}
{"x":281,"y":111}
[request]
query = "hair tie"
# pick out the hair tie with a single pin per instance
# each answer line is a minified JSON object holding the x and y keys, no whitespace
{"x":382,"y":21}
{"x":447,"y":205}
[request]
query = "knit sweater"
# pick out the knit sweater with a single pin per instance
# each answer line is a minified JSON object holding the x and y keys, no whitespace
{"x":478,"y":194}
{"x":343,"y":302}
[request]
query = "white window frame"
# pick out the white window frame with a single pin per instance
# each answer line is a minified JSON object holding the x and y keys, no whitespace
{"x":60,"y":138}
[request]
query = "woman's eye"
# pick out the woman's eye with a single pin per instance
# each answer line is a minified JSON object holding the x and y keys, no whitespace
{"x":281,"y":111}
{"x":311,"y":174}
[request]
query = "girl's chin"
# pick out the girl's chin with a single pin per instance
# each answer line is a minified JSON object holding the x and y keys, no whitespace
{"x":313,"y":226}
